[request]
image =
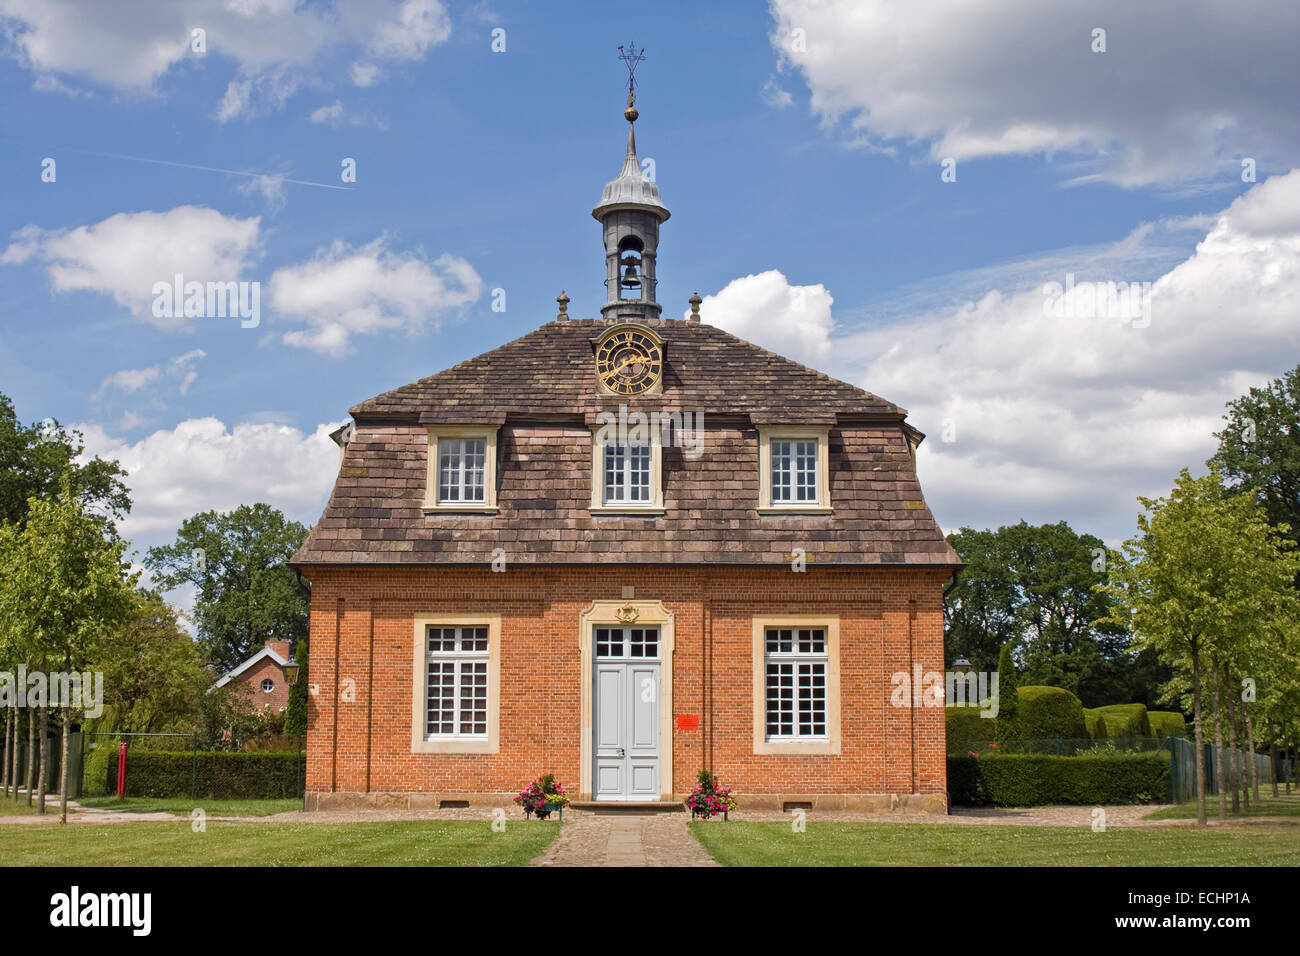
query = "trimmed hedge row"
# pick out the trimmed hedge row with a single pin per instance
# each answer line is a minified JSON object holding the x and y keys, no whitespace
{"x":215,"y":775}
{"x":1026,"y":780}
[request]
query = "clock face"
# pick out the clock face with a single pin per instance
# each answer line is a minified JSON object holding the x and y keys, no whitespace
{"x":629,"y":362}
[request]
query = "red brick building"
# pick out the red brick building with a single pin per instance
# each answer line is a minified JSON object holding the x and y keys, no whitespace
{"x":262,"y":677}
{"x":620,"y":550}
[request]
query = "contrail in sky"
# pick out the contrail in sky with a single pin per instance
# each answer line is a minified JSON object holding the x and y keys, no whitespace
{"x":209,"y":169}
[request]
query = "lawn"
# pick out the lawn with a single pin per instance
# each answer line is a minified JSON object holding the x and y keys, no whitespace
{"x":9,"y":808}
{"x":1286,"y":805}
{"x":950,"y":844}
{"x":404,"y":843}
{"x":181,"y":806}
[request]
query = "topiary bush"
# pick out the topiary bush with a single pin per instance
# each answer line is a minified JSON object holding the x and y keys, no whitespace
{"x":1166,"y":723}
{"x":1049,"y":712}
{"x":1125,"y":720}
{"x":1026,"y":780}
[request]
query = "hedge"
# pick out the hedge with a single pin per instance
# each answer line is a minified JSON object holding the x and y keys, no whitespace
{"x":1165,"y":723}
{"x":1049,"y":712}
{"x":965,"y":727}
{"x":1026,"y":780}
{"x":214,"y":775}
{"x":1122,"y":721}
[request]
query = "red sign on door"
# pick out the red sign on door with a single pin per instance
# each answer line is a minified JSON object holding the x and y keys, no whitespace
{"x":688,"y":722}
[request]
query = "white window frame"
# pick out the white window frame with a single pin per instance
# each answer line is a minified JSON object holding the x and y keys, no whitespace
{"x":456,"y":742}
{"x":828,"y":743}
{"x":794,"y":433}
{"x":654,"y":504}
{"x":485,"y":433}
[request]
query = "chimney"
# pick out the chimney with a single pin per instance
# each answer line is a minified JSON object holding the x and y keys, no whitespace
{"x":280,"y":647}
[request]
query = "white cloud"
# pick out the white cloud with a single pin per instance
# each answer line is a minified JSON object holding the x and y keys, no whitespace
{"x":794,"y":321}
{"x":129,"y":380}
{"x":1013,"y":77}
{"x":1075,"y":416}
{"x":774,"y":95}
{"x":204,"y":464}
{"x":277,"y":46}
{"x":337,"y":115}
{"x":346,"y":290}
{"x":182,"y":367}
{"x":125,"y":254}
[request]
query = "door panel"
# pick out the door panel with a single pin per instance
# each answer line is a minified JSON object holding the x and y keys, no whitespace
{"x":626,"y":721}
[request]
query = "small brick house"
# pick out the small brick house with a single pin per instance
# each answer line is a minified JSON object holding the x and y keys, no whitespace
{"x":262,"y":677}
{"x":621,"y":549}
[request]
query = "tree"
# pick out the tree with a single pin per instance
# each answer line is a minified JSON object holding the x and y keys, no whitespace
{"x":1033,"y":587}
{"x":67,"y":587}
{"x":980,"y":613}
{"x":153,"y":672}
{"x":32,"y":459}
{"x":1259,"y":449}
{"x":246,"y":592}
{"x":1007,"y":724}
{"x":1204,"y":571}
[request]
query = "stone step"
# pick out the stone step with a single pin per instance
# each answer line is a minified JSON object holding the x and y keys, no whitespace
{"x":627,"y":806}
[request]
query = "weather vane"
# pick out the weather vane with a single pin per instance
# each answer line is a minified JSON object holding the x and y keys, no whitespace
{"x":631,"y":56}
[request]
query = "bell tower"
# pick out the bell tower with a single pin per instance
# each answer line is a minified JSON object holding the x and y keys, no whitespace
{"x":630,"y":212}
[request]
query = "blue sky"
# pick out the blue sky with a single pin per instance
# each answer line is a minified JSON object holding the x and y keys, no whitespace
{"x":796,"y":170}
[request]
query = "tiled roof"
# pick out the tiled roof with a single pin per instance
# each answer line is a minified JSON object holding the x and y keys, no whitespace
{"x":549,"y":371}
{"x":542,"y":388}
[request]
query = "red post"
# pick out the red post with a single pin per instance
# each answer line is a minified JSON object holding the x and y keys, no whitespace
{"x":121,"y":771}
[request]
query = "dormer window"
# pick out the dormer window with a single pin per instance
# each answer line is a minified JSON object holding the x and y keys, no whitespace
{"x":462,"y":469}
{"x":794,"y":470}
{"x":627,"y":471}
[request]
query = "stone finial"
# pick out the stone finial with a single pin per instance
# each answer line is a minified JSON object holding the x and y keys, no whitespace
{"x":695,"y":301}
{"x":564,"y":306}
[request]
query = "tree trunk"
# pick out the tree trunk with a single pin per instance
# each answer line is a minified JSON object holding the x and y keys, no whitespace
{"x":42,"y":773}
{"x":10,"y":720}
{"x":1250,"y":743}
{"x":63,"y":766}
{"x":1219,"y":776}
{"x":1199,"y":734}
{"x":31,"y":756}
{"x":1234,"y":756}
{"x":1272,"y":766}
{"x":13,"y":774}
{"x":1247,"y":753}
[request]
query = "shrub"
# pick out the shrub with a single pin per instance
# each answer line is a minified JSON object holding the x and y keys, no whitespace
{"x":1165,"y":723}
{"x":214,"y":775}
{"x":967,"y":730}
{"x":1125,"y":720}
{"x":1050,"y":712}
{"x":1025,"y":780}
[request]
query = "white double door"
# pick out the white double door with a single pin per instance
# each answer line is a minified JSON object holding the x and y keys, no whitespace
{"x":626,"y":720}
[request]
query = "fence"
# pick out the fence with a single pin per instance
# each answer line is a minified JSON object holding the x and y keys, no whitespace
{"x":1182,"y":767}
{"x":54,"y":750}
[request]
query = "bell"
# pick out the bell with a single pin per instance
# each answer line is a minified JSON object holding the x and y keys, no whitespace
{"x":630,"y":279}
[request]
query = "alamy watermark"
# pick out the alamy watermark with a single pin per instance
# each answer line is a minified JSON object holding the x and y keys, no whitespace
{"x":84,"y":691}
{"x":208,"y":300}
{"x":677,"y":429}
{"x":1128,"y":301}
{"x":924,"y":688}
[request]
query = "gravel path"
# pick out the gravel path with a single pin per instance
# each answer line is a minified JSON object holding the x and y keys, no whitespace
{"x":625,"y":839}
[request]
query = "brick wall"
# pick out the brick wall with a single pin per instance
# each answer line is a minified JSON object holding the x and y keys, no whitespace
{"x":362,"y":640}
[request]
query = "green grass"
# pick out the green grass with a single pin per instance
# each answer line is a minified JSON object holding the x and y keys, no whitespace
{"x":181,"y":806}
{"x":404,"y":843}
{"x":8,"y":808}
{"x":1283,"y":806}
{"x":951,"y":844}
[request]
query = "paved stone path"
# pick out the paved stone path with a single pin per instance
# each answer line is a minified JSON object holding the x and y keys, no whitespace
{"x":624,"y":839}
